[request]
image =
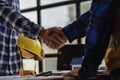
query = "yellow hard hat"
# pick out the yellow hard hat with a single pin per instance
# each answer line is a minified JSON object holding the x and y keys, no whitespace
{"x":29,"y":47}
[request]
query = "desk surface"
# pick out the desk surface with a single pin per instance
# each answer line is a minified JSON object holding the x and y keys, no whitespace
{"x":32,"y":78}
{"x":100,"y":76}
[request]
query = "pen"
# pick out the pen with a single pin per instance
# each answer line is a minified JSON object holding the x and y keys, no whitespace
{"x":48,"y":73}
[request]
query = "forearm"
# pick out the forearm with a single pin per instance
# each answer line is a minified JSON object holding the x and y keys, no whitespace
{"x":77,"y":29}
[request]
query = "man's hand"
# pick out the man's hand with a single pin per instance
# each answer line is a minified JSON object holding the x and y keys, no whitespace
{"x":73,"y":73}
{"x":53,"y":37}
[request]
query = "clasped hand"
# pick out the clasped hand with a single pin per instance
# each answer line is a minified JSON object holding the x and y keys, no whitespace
{"x":53,"y":37}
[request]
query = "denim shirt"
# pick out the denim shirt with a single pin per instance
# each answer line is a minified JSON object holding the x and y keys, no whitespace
{"x":97,"y":25}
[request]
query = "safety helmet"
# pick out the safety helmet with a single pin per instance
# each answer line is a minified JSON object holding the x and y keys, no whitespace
{"x":29,"y":47}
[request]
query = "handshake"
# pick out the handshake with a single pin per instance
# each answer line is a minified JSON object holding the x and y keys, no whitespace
{"x":53,"y":37}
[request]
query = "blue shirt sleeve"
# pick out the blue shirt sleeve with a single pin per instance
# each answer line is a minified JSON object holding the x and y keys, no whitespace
{"x":77,"y":29}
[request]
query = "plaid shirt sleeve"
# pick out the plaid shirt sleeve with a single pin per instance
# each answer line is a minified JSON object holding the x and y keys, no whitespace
{"x":98,"y":33}
{"x":11,"y":23}
{"x":13,"y":18}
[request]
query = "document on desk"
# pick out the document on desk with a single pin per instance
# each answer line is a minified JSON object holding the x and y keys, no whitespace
{"x":104,"y":72}
{"x":45,"y":78}
{"x":60,"y":72}
{"x":10,"y":77}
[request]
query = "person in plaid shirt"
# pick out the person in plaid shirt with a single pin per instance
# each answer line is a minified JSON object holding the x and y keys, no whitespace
{"x":12,"y":23}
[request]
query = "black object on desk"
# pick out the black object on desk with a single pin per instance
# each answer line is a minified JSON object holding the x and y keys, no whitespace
{"x":48,"y":73}
{"x":67,"y":53}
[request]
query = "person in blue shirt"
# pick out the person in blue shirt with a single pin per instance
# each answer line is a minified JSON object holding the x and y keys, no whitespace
{"x":97,"y":25}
